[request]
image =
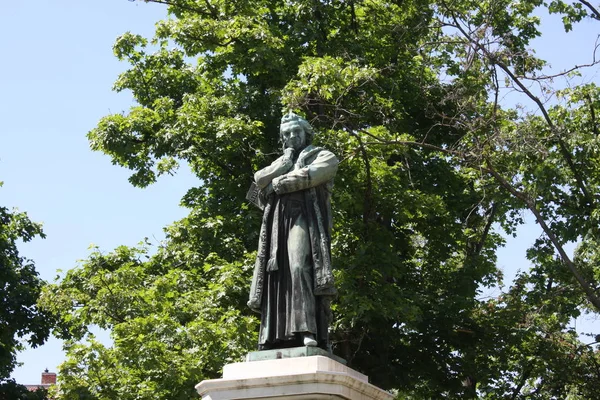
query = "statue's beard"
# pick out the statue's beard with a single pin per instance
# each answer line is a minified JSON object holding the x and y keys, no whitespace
{"x":296,"y":145}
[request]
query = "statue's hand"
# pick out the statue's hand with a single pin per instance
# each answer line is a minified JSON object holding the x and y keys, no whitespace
{"x":269,"y":190}
{"x":288,"y":153}
{"x":266,"y":192}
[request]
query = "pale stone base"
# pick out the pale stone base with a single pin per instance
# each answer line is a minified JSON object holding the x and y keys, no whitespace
{"x":304,"y":378}
{"x":292,"y":352}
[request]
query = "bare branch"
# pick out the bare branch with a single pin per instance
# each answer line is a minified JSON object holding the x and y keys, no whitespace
{"x":380,"y":141}
{"x":562,"y":146}
{"x":566,"y":72}
{"x":583,"y":283}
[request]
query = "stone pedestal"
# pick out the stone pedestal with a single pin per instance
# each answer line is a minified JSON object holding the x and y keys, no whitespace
{"x":302,"y":378}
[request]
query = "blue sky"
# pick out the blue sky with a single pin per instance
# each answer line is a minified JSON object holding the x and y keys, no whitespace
{"x":56,"y":75}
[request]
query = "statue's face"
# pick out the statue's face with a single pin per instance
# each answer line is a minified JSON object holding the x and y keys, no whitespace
{"x":293,"y":136}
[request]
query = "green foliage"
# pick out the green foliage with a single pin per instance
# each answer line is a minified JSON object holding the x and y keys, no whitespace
{"x":571,"y":13}
{"x":11,"y":390}
{"x":406,"y":94}
{"x":171,"y":324}
{"x":19,"y":316}
{"x":20,"y":319}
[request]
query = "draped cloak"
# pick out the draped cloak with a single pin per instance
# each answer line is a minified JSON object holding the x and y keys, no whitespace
{"x":311,"y":181}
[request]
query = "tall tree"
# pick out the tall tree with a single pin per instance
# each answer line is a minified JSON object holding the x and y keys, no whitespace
{"x":424,"y":178}
{"x":21,"y":321}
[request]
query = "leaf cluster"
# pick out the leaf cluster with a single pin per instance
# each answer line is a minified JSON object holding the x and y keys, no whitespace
{"x":170,"y":325}
{"x":20,"y":318}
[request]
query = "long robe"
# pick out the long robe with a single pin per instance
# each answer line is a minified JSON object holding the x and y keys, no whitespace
{"x":293,"y":279}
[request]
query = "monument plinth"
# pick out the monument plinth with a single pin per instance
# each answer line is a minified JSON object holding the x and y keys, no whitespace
{"x":300,"y":378}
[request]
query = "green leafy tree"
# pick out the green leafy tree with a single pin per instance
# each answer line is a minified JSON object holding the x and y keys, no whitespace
{"x":544,"y":159}
{"x":171,"y":324}
{"x":20,"y":319}
{"x":11,"y":390}
{"x":429,"y":168}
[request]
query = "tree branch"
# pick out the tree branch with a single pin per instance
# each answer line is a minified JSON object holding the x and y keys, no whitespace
{"x":486,"y":229}
{"x":562,"y":146}
{"x":369,"y":189}
{"x":529,"y":203}
{"x":587,"y":289}
{"x":172,"y":3}
{"x":424,"y":145}
{"x":591,"y":8}
{"x":518,"y":388}
{"x":592,"y":113}
{"x":565,"y":72}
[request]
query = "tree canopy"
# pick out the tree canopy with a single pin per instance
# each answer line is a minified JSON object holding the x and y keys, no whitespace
{"x":433,"y":168}
{"x":21,"y":321}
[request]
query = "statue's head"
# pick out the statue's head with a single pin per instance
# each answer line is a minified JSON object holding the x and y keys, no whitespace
{"x":295,"y":131}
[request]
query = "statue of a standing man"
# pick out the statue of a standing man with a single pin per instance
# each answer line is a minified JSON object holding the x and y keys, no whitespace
{"x":293,"y":281}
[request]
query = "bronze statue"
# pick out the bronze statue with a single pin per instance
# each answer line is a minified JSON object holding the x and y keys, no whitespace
{"x":293,"y":281}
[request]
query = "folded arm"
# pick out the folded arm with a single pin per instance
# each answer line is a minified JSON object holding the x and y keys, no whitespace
{"x":277,"y":168}
{"x":321,"y":170}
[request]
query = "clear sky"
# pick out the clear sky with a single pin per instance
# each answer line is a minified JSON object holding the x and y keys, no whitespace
{"x":56,"y":75}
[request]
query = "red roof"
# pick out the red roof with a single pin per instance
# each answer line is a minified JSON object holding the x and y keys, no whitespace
{"x":33,"y":388}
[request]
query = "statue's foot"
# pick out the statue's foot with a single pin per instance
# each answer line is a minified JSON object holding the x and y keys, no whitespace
{"x":309,"y":340}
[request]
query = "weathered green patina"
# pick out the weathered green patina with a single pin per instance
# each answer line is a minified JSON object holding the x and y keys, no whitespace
{"x":293,"y":280}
